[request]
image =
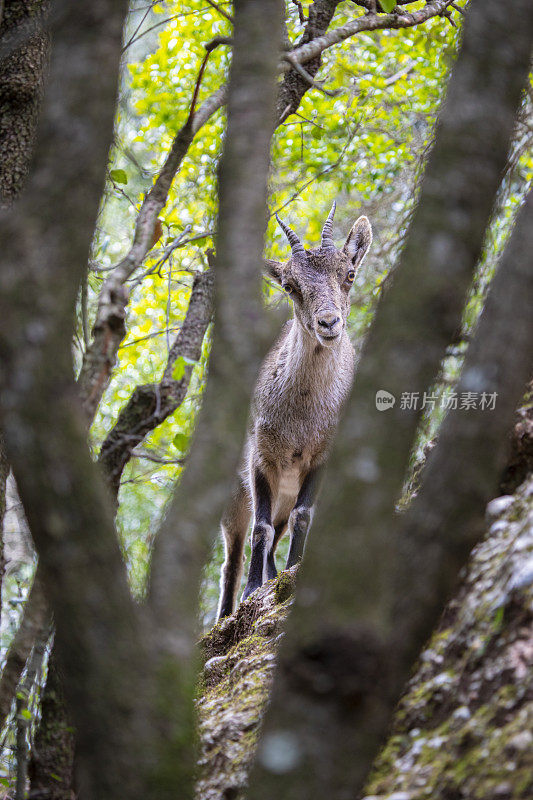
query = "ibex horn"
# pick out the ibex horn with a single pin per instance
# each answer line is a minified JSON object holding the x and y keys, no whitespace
{"x":327,"y":239}
{"x":296,"y":245}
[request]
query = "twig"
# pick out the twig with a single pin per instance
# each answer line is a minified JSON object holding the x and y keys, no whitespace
{"x":220,"y":10}
{"x":156,"y":459}
{"x":458,"y":8}
{"x":35,"y":619}
{"x":318,"y":175}
{"x":312,"y":122}
{"x":301,"y":14}
{"x":137,"y":29}
{"x":447,"y":14}
{"x":400,"y":74}
{"x":307,"y":77}
{"x":167,"y":252}
{"x":84,"y":313}
{"x":153,"y":335}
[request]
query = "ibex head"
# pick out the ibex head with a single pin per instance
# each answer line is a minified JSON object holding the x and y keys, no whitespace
{"x":319,"y":281}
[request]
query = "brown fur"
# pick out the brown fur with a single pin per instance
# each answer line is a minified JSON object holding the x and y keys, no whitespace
{"x":303,"y":382}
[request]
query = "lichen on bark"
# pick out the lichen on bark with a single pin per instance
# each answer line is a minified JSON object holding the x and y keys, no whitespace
{"x":463,"y":727}
{"x":239,"y":658}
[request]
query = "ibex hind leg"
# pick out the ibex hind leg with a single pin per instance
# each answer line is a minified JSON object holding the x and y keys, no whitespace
{"x":235,"y":524}
{"x":301,"y":516}
{"x":279,"y":529}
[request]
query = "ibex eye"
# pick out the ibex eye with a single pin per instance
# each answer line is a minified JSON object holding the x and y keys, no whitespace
{"x":288,"y":288}
{"x":350,"y":276}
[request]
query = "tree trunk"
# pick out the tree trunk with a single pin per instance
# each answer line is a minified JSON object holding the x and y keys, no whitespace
{"x":48,"y":236}
{"x":22,"y":78}
{"x":21,"y":87}
{"x":239,"y":338}
{"x":51,"y":765}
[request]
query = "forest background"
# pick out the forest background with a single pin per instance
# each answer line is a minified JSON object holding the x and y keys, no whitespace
{"x":359,"y":136}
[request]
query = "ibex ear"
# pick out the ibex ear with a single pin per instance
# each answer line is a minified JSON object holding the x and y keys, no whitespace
{"x":272,"y":269}
{"x":358,"y":241}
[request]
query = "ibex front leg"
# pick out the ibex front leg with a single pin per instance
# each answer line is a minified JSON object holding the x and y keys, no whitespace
{"x":301,"y":516}
{"x":262,"y":534}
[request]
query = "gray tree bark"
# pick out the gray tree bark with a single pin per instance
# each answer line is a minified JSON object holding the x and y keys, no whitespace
{"x":239,"y":337}
{"x":445,"y":521}
{"x":21,"y":87}
{"x":47,"y":238}
{"x":339,"y":671}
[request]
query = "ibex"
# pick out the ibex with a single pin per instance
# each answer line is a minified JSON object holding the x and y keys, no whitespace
{"x":302,"y":385}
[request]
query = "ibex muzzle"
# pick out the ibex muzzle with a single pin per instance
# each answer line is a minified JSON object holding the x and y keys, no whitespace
{"x":302,"y":385}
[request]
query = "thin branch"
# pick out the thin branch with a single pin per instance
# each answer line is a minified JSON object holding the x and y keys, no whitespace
{"x":169,"y":249}
{"x":370,"y":22}
{"x":151,"y":404}
{"x":153,"y":335}
{"x":220,"y":10}
{"x":156,"y":459}
{"x":458,"y":8}
{"x":301,"y":15}
{"x":139,"y":26}
{"x":35,"y":619}
{"x":109,"y":327}
{"x":307,"y":77}
{"x":318,"y":175}
{"x":400,"y":74}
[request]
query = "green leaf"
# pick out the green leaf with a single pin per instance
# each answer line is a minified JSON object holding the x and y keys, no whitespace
{"x":179,"y":367}
{"x":387,"y":5}
{"x":181,"y":441}
{"x":118,"y":176}
{"x":25,"y":713}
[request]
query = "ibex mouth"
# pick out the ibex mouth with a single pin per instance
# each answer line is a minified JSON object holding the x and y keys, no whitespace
{"x":328,"y":341}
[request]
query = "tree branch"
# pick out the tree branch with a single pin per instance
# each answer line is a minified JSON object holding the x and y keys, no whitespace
{"x":370,"y":22}
{"x":151,"y":404}
{"x":109,"y":328}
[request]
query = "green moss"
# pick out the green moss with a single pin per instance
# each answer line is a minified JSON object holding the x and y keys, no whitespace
{"x":284,"y":587}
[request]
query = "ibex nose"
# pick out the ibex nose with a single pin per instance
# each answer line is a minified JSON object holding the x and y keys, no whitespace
{"x":328,"y":320}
